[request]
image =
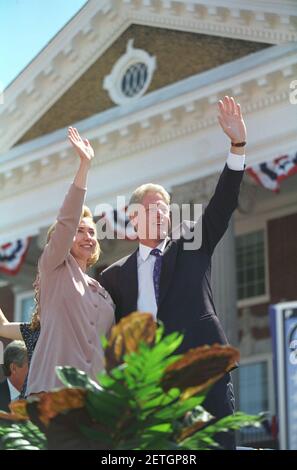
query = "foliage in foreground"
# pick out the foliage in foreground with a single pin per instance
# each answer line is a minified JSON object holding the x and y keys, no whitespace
{"x":147,"y":398}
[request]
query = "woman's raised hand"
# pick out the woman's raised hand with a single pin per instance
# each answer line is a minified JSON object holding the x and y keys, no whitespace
{"x":82,"y":146}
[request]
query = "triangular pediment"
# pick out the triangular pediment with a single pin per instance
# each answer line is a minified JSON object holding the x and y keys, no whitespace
{"x":178,"y":55}
{"x":63,"y":83}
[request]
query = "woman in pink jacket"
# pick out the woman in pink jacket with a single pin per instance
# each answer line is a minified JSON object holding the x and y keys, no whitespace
{"x":74,"y":309}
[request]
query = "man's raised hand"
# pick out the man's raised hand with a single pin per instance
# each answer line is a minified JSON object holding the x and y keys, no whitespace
{"x":231,"y":120}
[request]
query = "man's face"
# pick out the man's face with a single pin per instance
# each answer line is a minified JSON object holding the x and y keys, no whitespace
{"x":153,"y":220}
{"x":18,"y":375}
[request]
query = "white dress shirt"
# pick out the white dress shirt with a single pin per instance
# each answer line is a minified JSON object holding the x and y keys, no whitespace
{"x":146,"y":300}
{"x":235,"y":162}
{"x":14,"y":393}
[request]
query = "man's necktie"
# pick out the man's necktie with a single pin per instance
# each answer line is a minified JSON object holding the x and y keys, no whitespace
{"x":157,"y":272}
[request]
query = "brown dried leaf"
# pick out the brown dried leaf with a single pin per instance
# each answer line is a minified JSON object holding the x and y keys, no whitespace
{"x":189,"y":431}
{"x":196,"y":423}
{"x":10,"y":417}
{"x":19,"y":408}
{"x":126,"y":336}
{"x":53,"y":403}
{"x":199,"y":368}
{"x":18,"y":411}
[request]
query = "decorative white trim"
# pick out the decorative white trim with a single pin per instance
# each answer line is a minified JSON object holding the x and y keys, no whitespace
{"x":158,"y":128}
{"x":93,"y":30}
{"x":113,"y":82}
{"x":171,"y":103}
{"x":250,"y":302}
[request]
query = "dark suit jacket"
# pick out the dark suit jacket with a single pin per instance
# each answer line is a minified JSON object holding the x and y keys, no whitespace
{"x":4,"y":396}
{"x":186,"y":301}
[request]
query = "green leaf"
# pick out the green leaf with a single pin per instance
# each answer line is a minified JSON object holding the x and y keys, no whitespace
{"x":159,"y":332}
{"x":105,"y":407}
{"x":99,"y":436}
{"x":168,"y":345}
{"x":73,"y":378}
{"x":160,"y":428}
{"x":22,"y":436}
{"x":179,"y":409}
{"x":128,"y":408}
{"x":162,"y":400}
{"x":205,"y":435}
{"x":104,"y":341}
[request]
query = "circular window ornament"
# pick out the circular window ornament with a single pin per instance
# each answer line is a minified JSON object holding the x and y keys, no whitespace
{"x":131,"y":75}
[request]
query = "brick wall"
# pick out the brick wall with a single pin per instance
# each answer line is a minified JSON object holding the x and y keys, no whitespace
{"x":282,"y":266}
{"x":282,"y":248}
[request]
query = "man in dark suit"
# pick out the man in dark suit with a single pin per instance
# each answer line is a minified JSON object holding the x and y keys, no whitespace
{"x":15,"y":368}
{"x":172,"y":282}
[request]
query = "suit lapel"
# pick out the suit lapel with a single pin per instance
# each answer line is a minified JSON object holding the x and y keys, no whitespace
{"x":4,"y":396}
{"x":129,"y":284}
{"x":167,"y":271}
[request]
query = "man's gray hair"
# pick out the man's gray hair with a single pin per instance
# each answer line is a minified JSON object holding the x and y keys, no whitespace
{"x":14,"y":353}
{"x":139,"y":193}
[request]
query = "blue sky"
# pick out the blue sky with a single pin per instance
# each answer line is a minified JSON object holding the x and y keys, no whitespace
{"x":26,"y":27}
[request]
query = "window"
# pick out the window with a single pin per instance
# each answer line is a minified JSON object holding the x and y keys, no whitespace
{"x":256,"y":395}
{"x":250,"y":265}
{"x":130,"y":76}
{"x":134,"y":79}
{"x":253,"y":385}
{"x":24,"y":306}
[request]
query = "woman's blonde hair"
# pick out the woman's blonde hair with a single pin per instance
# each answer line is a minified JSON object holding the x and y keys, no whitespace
{"x":86,"y":213}
{"x":35,"y":320}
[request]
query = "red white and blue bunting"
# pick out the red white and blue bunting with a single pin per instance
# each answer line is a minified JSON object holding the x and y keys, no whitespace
{"x":12,"y":256}
{"x":271,"y":174}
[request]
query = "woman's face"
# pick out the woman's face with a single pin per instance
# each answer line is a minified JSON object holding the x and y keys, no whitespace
{"x":84,"y":242}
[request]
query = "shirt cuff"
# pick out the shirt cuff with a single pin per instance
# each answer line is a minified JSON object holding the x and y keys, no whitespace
{"x":235,"y":162}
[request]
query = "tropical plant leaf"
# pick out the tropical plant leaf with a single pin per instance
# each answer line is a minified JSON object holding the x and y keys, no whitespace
{"x":98,"y":434}
{"x":10,"y":417}
{"x":197,"y":419}
{"x":179,"y":409}
{"x":200,"y":368}
{"x":19,"y":409}
{"x":105,"y":407}
{"x":148,"y":398}
{"x":126,"y":336}
{"x":18,"y":412}
{"x":74,"y":378}
{"x":233,"y":422}
{"x":50,"y":404}
{"x":22,"y":436}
